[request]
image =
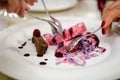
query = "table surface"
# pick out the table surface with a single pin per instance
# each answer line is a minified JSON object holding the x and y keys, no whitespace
{"x":82,"y":9}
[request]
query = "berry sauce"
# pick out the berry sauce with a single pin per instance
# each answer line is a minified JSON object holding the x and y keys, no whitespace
{"x":58,"y":54}
{"x":46,"y":59}
{"x":38,"y":55}
{"x":21,"y":47}
{"x":27,"y":54}
{"x":42,"y":63}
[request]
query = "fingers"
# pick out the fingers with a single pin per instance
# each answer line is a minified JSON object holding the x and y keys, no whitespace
{"x":116,"y":3}
{"x":16,"y":6}
{"x":31,"y":2}
{"x":117,"y":19}
{"x":13,"y":5}
{"x":21,"y":11}
{"x":106,"y":10}
{"x":19,"y":7}
{"x":107,"y":29}
{"x":110,"y":14}
{"x":17,"y":10}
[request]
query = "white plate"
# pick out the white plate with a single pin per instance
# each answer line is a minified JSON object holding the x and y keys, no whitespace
{"x":14,"y":64}
{"x":54,"y":5}
{"x":3,"y":23}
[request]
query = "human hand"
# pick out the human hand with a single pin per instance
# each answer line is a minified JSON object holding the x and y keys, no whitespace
{"x":110,"y":14}
{"x":3,"y":4}
{"x":16,"y":6}
{"x":31,"y":2}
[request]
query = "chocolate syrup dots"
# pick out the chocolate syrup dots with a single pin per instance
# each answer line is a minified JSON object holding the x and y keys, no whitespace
{"x":26,"y":55}
{"x":24,"y":44}
{"x":21,"y":47}
{"x":42,"y":63}
{"x":46,"y":59}
{"x":38,"y":55}
{"x":29,"y":39}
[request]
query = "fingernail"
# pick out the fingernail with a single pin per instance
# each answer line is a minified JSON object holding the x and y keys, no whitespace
{"x":103,"y":31}
{"x":103,"y":23}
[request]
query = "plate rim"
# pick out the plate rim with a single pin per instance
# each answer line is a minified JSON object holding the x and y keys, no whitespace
{"x":74,"y":2}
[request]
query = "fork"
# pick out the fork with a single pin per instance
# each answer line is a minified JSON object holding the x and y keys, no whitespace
{"x":77,"y":39}
{"x":55,"y":21}
{"x":54,"y":27}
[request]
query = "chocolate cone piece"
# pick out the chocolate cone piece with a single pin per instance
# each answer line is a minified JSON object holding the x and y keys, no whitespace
{"x":40,"y":44}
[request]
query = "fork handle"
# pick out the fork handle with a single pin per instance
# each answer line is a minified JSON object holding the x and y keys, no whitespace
{"x":46,"y":10}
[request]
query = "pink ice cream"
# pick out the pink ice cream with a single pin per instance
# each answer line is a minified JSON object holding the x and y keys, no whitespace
{"x":68,"y":35}
{"x":86,"y":48}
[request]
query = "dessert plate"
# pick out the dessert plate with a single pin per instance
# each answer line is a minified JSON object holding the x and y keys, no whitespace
{"x":16,"y":63}
{"x":3,"y":23}
{"x":54,"y":5}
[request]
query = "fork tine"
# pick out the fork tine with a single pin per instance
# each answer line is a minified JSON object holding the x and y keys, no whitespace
{"x":54,"y":27}
{"x":57,"y":22}
{"x":45,"y":8}
{"x":72,"y":44}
